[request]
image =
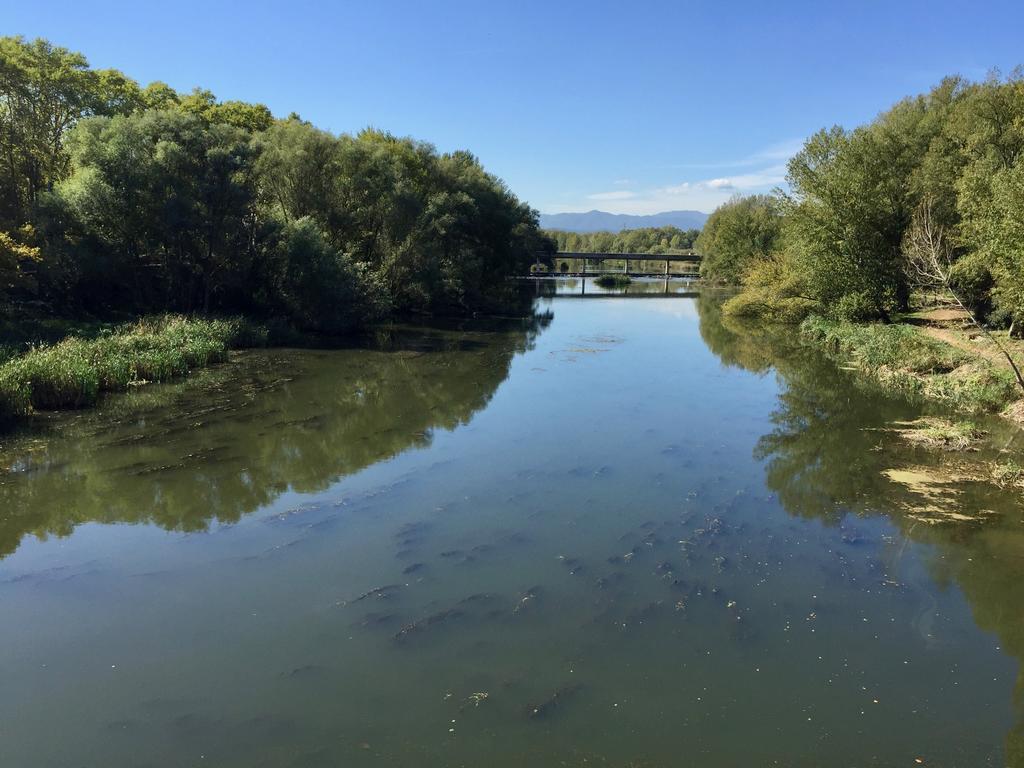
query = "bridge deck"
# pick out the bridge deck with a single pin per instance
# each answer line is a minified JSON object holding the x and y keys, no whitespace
{"x":691,"y":257}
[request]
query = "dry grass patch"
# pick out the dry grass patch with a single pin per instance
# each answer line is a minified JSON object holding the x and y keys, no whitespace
{"x":931,"y":432}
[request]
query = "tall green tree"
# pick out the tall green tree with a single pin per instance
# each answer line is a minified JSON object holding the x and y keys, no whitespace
{"x":741,"y":231}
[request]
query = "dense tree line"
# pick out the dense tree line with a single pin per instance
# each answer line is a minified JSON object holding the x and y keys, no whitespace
{"x":651,"y":240}
{"x":121,"y":198}
{"x":741,"y":230}
{"x":943,"y":172}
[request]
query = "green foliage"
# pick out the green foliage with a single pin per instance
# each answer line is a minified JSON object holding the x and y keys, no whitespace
{"x":737,"y":234}
{"x":901,"y":358}
{"x":613,"y":281}
{"x":849,"y":208}
{"x":971,"y":278}
{"x":998,"y":228}
{"x":430,"y":232}
{"x":653,"y":240}
{"x":15,"y":394}
{"x":853,"y":193}
{"x":932,"y":432}
{"x":61,"y":376}
{"x":145,"y":199}
{"x":876,"y":345}
{"x":773,"y":290}
{"x":73,"y":372}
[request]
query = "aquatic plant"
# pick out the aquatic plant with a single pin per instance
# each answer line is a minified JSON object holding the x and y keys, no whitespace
{"x":72,"y":373}
{"x":613,"y":281}
{"x":940,"y":433}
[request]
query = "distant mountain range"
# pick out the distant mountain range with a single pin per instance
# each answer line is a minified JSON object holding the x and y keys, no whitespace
{"x":599,"y":221}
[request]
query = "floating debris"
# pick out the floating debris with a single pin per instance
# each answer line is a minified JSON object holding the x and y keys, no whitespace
{"x":547,"y":707}
{"x":476,"y":699}
{"x":527,"y":600}
{"x":936,"y":498}
{"x":573,"y":564}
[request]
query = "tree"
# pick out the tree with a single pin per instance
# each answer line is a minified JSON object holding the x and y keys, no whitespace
{"x":738,"y":233}
{"x":929,"y":264}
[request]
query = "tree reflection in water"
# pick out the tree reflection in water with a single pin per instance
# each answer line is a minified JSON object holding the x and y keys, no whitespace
{"x":233,"y":438}
{"x":828,"y":455}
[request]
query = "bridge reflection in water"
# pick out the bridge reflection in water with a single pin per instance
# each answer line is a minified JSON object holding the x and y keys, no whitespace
{"x":674,"y":286}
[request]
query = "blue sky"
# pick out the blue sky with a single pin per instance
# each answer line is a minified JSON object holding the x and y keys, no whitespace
{"x":631,"y":107}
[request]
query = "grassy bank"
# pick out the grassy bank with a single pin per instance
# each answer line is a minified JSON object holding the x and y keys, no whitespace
{"x":73,"y":372}
{"x":902,"y":358}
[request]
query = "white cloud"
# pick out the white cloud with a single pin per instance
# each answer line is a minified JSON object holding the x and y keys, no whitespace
{"x":621,"y":194}
{"x":700,"y":194}
{"x":763,"y":171}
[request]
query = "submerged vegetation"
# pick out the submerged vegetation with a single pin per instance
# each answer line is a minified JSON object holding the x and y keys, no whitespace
{"x":932,"y":432}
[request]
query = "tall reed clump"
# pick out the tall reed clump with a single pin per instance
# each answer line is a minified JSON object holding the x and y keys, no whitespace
{"x":73,"y":372}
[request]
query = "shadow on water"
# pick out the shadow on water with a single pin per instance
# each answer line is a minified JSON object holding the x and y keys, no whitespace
{"x":831,"y":455}
{"x":233,"y":438}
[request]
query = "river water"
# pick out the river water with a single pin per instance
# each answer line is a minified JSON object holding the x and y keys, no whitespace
{"x":619,"y":533}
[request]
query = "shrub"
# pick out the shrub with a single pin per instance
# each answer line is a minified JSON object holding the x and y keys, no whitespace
{"x":15,"y":395}
{"x":773,"y":291}
{"x":876,"y":345}
{"x":900,"y":357}
{"x":855,"y":307}
{"x":613,"y":281}
{"x":72,"y":373}
{"x":61,"y":376}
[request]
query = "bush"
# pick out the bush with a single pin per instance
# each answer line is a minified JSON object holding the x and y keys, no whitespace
{"x":855,"y":308}
{"x":877,"y":345}
{"x":773,"y":291}
{"x":61,"y":376}
{"x":15,"y":395}
{"x":613,"y":281}
{"x":899,"y":357}
{"x":73,"y":372}
{"x":766,"y":305}
{"x":972,"y":280}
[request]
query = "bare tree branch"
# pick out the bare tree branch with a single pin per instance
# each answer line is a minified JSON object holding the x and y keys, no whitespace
{"x":928,"y":260}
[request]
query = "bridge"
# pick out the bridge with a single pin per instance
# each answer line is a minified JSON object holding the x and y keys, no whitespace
{"x":570,"y":263}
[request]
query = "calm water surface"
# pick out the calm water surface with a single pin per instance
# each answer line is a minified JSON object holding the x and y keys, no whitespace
{"x":621,"y":533}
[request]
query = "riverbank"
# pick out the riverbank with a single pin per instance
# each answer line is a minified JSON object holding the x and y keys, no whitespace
{"x":92,"y":359}
{"x":940,"y":364}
